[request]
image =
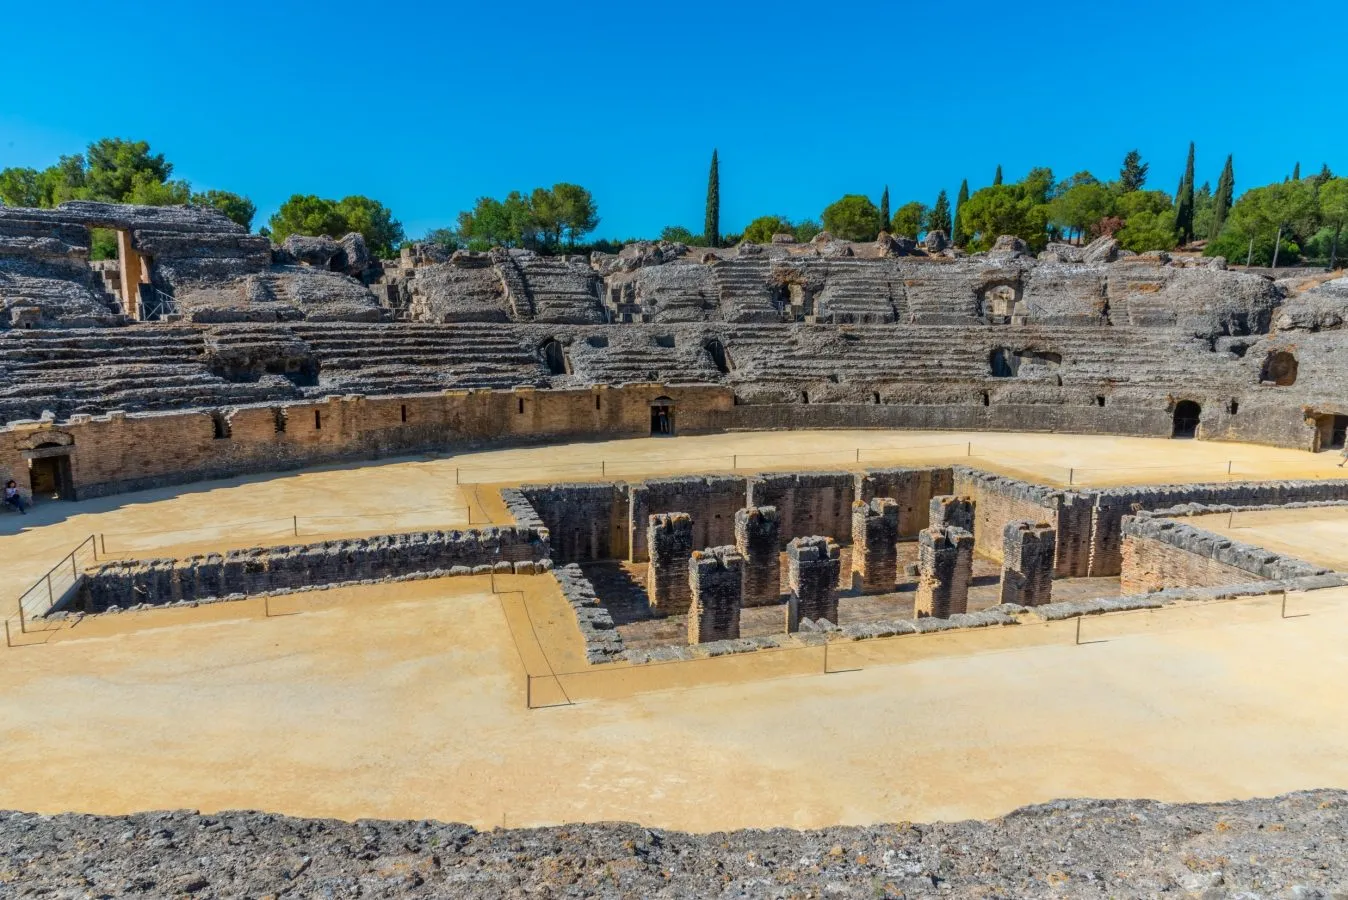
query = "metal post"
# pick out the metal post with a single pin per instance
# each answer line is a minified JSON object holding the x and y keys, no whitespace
{"x":1078,"y":631}
{"x":858,"y":454}
{"x":969,"y":450}
{"x":456,"y":474}
{"x":1071,"y":476}
{"x":296,"y":523}
{"x":74,"y":573}
{"x":23,"y":625}
{"x":103,"y":539}
{"x":8,"y":642}
{"x":528,"y":691}
{"x":735,"y":461}
{"x":1284,"y":603}
{"x":603,"y":467}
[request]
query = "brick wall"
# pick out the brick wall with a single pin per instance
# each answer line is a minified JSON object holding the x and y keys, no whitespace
{"x":911,"y":488}
{"x":1158,"y":554}
{"x":712,"y":501}
{"x":808,"y":503}
{"x":586,"y":522}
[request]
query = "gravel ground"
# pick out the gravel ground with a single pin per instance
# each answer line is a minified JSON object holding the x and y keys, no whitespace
{"x":1289,"y":846}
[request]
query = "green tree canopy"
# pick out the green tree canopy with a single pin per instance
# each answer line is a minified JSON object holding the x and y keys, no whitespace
{"x":761,"y":230}
{"x":312,"y":215}
{"x":545,"y":220}
{"x":1269,"y":217}
{"x":1333,"y":199}
{"x":1147,"y":230}
{"x":852,"y":218}
{"x":1133,"y":174}
{"x":679,"y":235}
{"x":939,"y":217}
{"x":711,"y":226}
{"x":237,"y":207}
{"x":1080,"y":206}
{"x":1016,"y":209}
{"x":116,"y":168}
{"x":908,"y":220}
{"x":960,"y":236}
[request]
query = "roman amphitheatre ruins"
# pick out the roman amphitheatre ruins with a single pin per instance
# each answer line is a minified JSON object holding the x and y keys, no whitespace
{"x":782,"y":535}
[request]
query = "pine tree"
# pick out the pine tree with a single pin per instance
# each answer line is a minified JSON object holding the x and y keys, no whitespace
{"x":1184,"y":202}
{"x":1134,"y":172}
{"x":958,"y":237}
{"x":997,"y":179}
{"x":884,"y":210}
{"x":1221,"y":201}
{"x":1296,"y":171}
{"x":939,"y":217}
{"x":711,"y":226}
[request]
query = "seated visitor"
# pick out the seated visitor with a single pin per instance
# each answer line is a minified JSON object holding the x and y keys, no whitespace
{"x":13,"y":497}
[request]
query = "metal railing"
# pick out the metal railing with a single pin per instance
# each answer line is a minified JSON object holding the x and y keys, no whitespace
{"x":55,"y":587}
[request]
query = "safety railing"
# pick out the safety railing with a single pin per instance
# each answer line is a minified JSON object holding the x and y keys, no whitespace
{"x":55,"y":587}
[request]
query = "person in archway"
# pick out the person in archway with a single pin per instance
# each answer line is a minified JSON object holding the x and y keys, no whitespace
{"x":13,"y":497}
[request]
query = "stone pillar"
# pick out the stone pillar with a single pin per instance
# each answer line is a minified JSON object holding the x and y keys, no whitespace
{"x":669,"y":539}
{"x":133,"y":272}
{"x":813,"y":565}
{"x":945,"y":562}
{"x":875,"y":551}
{"x":716,"y":584}
{"x":757,"y":536}
{"x":1028,"y":552}
{"x":956,"y":512}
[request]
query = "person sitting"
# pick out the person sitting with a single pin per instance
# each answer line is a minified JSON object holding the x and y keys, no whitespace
{"x":13,"y":497}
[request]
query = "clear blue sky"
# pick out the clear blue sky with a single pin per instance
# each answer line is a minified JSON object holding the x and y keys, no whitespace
{"x":426,"y":106}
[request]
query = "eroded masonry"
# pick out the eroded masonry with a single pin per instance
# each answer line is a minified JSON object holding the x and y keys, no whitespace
{"x":243,"y":356}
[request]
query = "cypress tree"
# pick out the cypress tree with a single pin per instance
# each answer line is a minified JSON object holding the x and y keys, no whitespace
{"x":884,"y":210}
{"x":1296,"y":171}
{"x":711,"y":227}
{"x":1184,"y":202}
{"x":958,"y":237}
{"x":939,"y":218}
{"x":1221,"y":201}
{"x":997,"y":179}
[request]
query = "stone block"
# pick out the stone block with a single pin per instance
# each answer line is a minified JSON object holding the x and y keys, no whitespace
{"x":875,"y":536}
{"x":1028,"y":552}
{"x":813,"y":566}
{"x":669,"y":539}
{"x":716,"y":584}
{"x":757,"y":538}
{"x":945,"y":566}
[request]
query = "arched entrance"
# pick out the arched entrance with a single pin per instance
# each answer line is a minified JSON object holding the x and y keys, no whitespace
{"x":554,"y":357}
{"x":49,"y":475}
{"x":1185,"y":420}
{"x":662,"y":417}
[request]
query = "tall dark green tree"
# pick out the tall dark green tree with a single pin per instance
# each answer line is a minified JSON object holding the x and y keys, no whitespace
{"x":1221,"y":201}
{"x":1184,"y":201}
{"x":958,"y":235}
{"x":939,"y":217}
{"x":997,"y":179}
{"x":1133,"y":175}
{"x":884,"y":208}
{"x":1296,"y":171}
{"x":711,"y":229}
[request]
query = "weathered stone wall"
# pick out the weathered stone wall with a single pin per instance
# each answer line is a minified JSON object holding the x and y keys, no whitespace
{"x":1027,"y":564}
{"x":1159,"y":554}
{"x":757,"y":538}
{"x":669,"y":538}
{"x":808,"y":503}
{"x":998,"y":501}
{"x":950,"y":511}
{"x":603,"y":643}
{"x":124,"y":452}
{"x":587,"y":522}
{"x":1109,"y":507}
{"x":875,"y":535}
{"x":715,"y":578}
{"x":281,"y":569}
{"x":712,"y":501}
{"x":813,"y":566}
{"x":945,"y":560}
{"x":911,"y":488}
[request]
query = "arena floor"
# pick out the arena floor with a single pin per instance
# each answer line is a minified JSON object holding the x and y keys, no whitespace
{"x":1315,"y":534}
{"x":410,"y":700}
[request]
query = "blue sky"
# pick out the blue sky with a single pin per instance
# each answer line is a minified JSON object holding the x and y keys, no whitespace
{"x":426,"y":106}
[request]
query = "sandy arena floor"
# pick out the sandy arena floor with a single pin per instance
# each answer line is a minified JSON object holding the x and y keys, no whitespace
{"x":409,"y":702}
{"x":1317,"y":535}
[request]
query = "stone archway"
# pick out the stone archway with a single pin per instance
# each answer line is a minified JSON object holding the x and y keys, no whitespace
{"x":662,"y":417}
{"x":1184,"y":422}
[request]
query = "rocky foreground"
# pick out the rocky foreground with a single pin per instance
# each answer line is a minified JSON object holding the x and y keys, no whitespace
{"x":1289,"y":846}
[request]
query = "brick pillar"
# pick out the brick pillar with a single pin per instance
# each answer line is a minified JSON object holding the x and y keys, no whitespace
{"x":669,"y":540}
{"x":813,"y":565}
{"x":945,"y":562}
{"x":957,"y":512}
{"x":757,"y":536}
{"x":1028,"y":552}
{"x":875,"y":551}
{"x":716,"y":583}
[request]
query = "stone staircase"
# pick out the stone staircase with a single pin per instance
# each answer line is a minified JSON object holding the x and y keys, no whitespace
{"x":744,"y":290}
{"x":141,"y":367}
{"x":407,"y":358}
{"x":858,"y":291}
{"x":561,"y":291}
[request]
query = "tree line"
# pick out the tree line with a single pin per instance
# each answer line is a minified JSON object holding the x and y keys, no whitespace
{"x":1274,"y":224}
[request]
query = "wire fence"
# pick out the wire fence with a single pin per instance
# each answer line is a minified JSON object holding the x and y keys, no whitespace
{"x":114,"y":543}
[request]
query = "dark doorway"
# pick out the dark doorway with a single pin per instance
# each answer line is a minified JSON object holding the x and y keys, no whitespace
{"x":554,"y":357}
{"x":49,"y":478}
{"x":662,"y":417}
{"x":1187,"y":413}
{"x":1333,"y":431}
{"x":1280,"y":368}
{"x":719,"y":358}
